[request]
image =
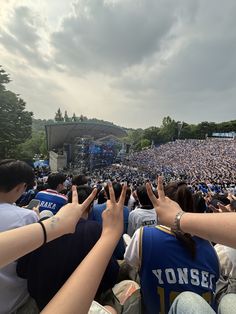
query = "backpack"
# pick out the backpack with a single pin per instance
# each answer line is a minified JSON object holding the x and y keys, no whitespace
{"x":127,"y":297}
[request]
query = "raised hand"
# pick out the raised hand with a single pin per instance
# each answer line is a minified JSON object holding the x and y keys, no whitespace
{"x":113,"y":220}
{"x":166,"y":208}
{"x":224,"y":209}
{"x":69,"y":214}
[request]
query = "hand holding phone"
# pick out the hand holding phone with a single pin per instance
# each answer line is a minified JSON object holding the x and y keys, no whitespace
{"x":33,"y":203}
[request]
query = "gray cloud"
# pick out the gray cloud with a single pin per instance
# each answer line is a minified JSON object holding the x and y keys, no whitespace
{"x":101,"y":36}
{"x":150,"y":58}
{"x":22,"y":36}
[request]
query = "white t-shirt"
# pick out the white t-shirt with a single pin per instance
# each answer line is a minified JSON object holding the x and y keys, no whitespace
{"x":141,"y":217}
{"x":131,"y":255}
{"x":13,"y":290}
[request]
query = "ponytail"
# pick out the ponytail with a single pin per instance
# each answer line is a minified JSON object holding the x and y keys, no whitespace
{"x":180,"y":193}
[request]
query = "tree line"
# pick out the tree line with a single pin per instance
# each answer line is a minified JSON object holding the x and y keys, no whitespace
{"x":171,"y":130}
{"x":23,"y":137}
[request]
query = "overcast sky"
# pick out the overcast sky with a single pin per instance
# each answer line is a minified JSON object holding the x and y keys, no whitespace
{"x":131,"y":62}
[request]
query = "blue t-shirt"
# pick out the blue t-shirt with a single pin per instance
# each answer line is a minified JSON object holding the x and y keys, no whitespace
{"x":167,"y":269}
{"x":51,"y":200}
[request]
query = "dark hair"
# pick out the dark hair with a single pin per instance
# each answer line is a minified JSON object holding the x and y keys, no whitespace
{"x":180,"y":193}
{"x":233,"y":205}
{"x":80,"y":179}
{"x":83,"y":192}
{"x":199,"y":203}
{"x":117,"y":187}
{"x":54,"y":179}
{"x":14,"y":172}
{"x":101,"y":197}
{"x":127,"y":196}
{"x":143,"y":198}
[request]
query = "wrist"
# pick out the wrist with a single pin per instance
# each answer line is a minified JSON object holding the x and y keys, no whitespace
{"x":110,"y":235}
{"x":177,"y":226}
{"x":54,"y":228}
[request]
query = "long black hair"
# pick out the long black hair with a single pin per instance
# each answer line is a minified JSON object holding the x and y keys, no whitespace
{"x":180,"y":193}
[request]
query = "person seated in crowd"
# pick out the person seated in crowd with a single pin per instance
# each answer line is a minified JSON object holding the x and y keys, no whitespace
{"x":48,"y":268}
{"x":15,"y":177}
{"x":26,"y":197}
{"x":98,"y":209}
{"x":227,"y":281}
{"x":80,"y":179}
{"x":15,"y":243}
{"x":145,"y":215}
{"x":171,"y":262}
{"x":51,"y":198}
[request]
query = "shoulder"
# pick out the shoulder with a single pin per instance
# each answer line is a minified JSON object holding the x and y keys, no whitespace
{"x":99,"y":207}
{"x":132,"y":253}
{"x":62,"y":196}
{"x":89,"y":226}
{"x":134,"y":213}
{"x":28,"y":216}
{"x":88,"y":231}
{"x":12,"y":216}
{"x":47,"y":194}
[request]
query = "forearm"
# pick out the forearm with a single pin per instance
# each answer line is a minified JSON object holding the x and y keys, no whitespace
{"x":218,"y":228}
{"x":20,"y":241}
{"x":79,"y":291}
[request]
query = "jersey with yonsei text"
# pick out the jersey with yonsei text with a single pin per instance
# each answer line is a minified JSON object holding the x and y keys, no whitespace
{"x":168,"y":269}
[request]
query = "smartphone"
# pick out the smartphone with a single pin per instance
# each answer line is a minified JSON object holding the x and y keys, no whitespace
{"x":33,"y":203}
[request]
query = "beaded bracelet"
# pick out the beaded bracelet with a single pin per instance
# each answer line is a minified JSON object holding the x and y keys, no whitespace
{"x":178,"y":216}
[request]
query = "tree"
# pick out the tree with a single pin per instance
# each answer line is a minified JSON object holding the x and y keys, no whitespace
{"x":81,"y":118}
{"x":15,"y":121}
{"x":74,"y":118}
{"x":169,"y":129}
{"x":153,"y":135}
{"x":145,"y":143}
{"x":35,"y":145}
{"x":58,"y":116}
{"x":66,"y":118}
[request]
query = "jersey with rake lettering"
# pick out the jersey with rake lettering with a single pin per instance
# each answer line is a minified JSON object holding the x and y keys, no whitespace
{"x":168,"y":269}
{"x":51,"y":200}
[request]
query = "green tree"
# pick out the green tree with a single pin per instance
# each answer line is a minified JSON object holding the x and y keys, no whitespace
{"x":145,"y":143}
{"x":169,"y":129}
{"x":74,"y":118}
{"x":58,"y":116}
{"x":15,"y":121}
{"x":153,"y":134}
{"x":187,"y":131}
{"x":35,"y":145}
{"x":66,"y":118}
{"x":134,"y":138}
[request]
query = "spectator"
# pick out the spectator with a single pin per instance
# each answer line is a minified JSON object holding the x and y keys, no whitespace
{"x":145,"y":215}
{"x":48,"y":268}
{"x":80,"y":179}
{"x":97,"y":216}
{"x":15,"y":176}
{"x":171,"y":262}
{"x":51,"y":198}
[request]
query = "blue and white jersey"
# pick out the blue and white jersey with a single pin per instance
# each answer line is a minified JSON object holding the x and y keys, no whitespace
{"x":167,"y":269}
{"x":51,"y":200}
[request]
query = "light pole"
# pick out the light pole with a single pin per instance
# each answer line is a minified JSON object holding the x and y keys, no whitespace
{"x":180,"y":125}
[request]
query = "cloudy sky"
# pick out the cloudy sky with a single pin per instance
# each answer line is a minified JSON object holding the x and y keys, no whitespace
{"x":131,"y":62}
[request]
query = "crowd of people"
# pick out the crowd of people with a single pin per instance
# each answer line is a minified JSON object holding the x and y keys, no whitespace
{"x":65,"y":257}
{"x":211,"y":161}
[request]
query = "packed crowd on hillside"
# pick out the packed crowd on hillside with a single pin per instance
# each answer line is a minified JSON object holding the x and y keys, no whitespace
{"x":122,"y":251}
{"x":205,"y":165}
{"x":211,"y":160}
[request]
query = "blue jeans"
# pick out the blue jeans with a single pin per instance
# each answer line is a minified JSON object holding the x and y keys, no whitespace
{"x":192,"y":303}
